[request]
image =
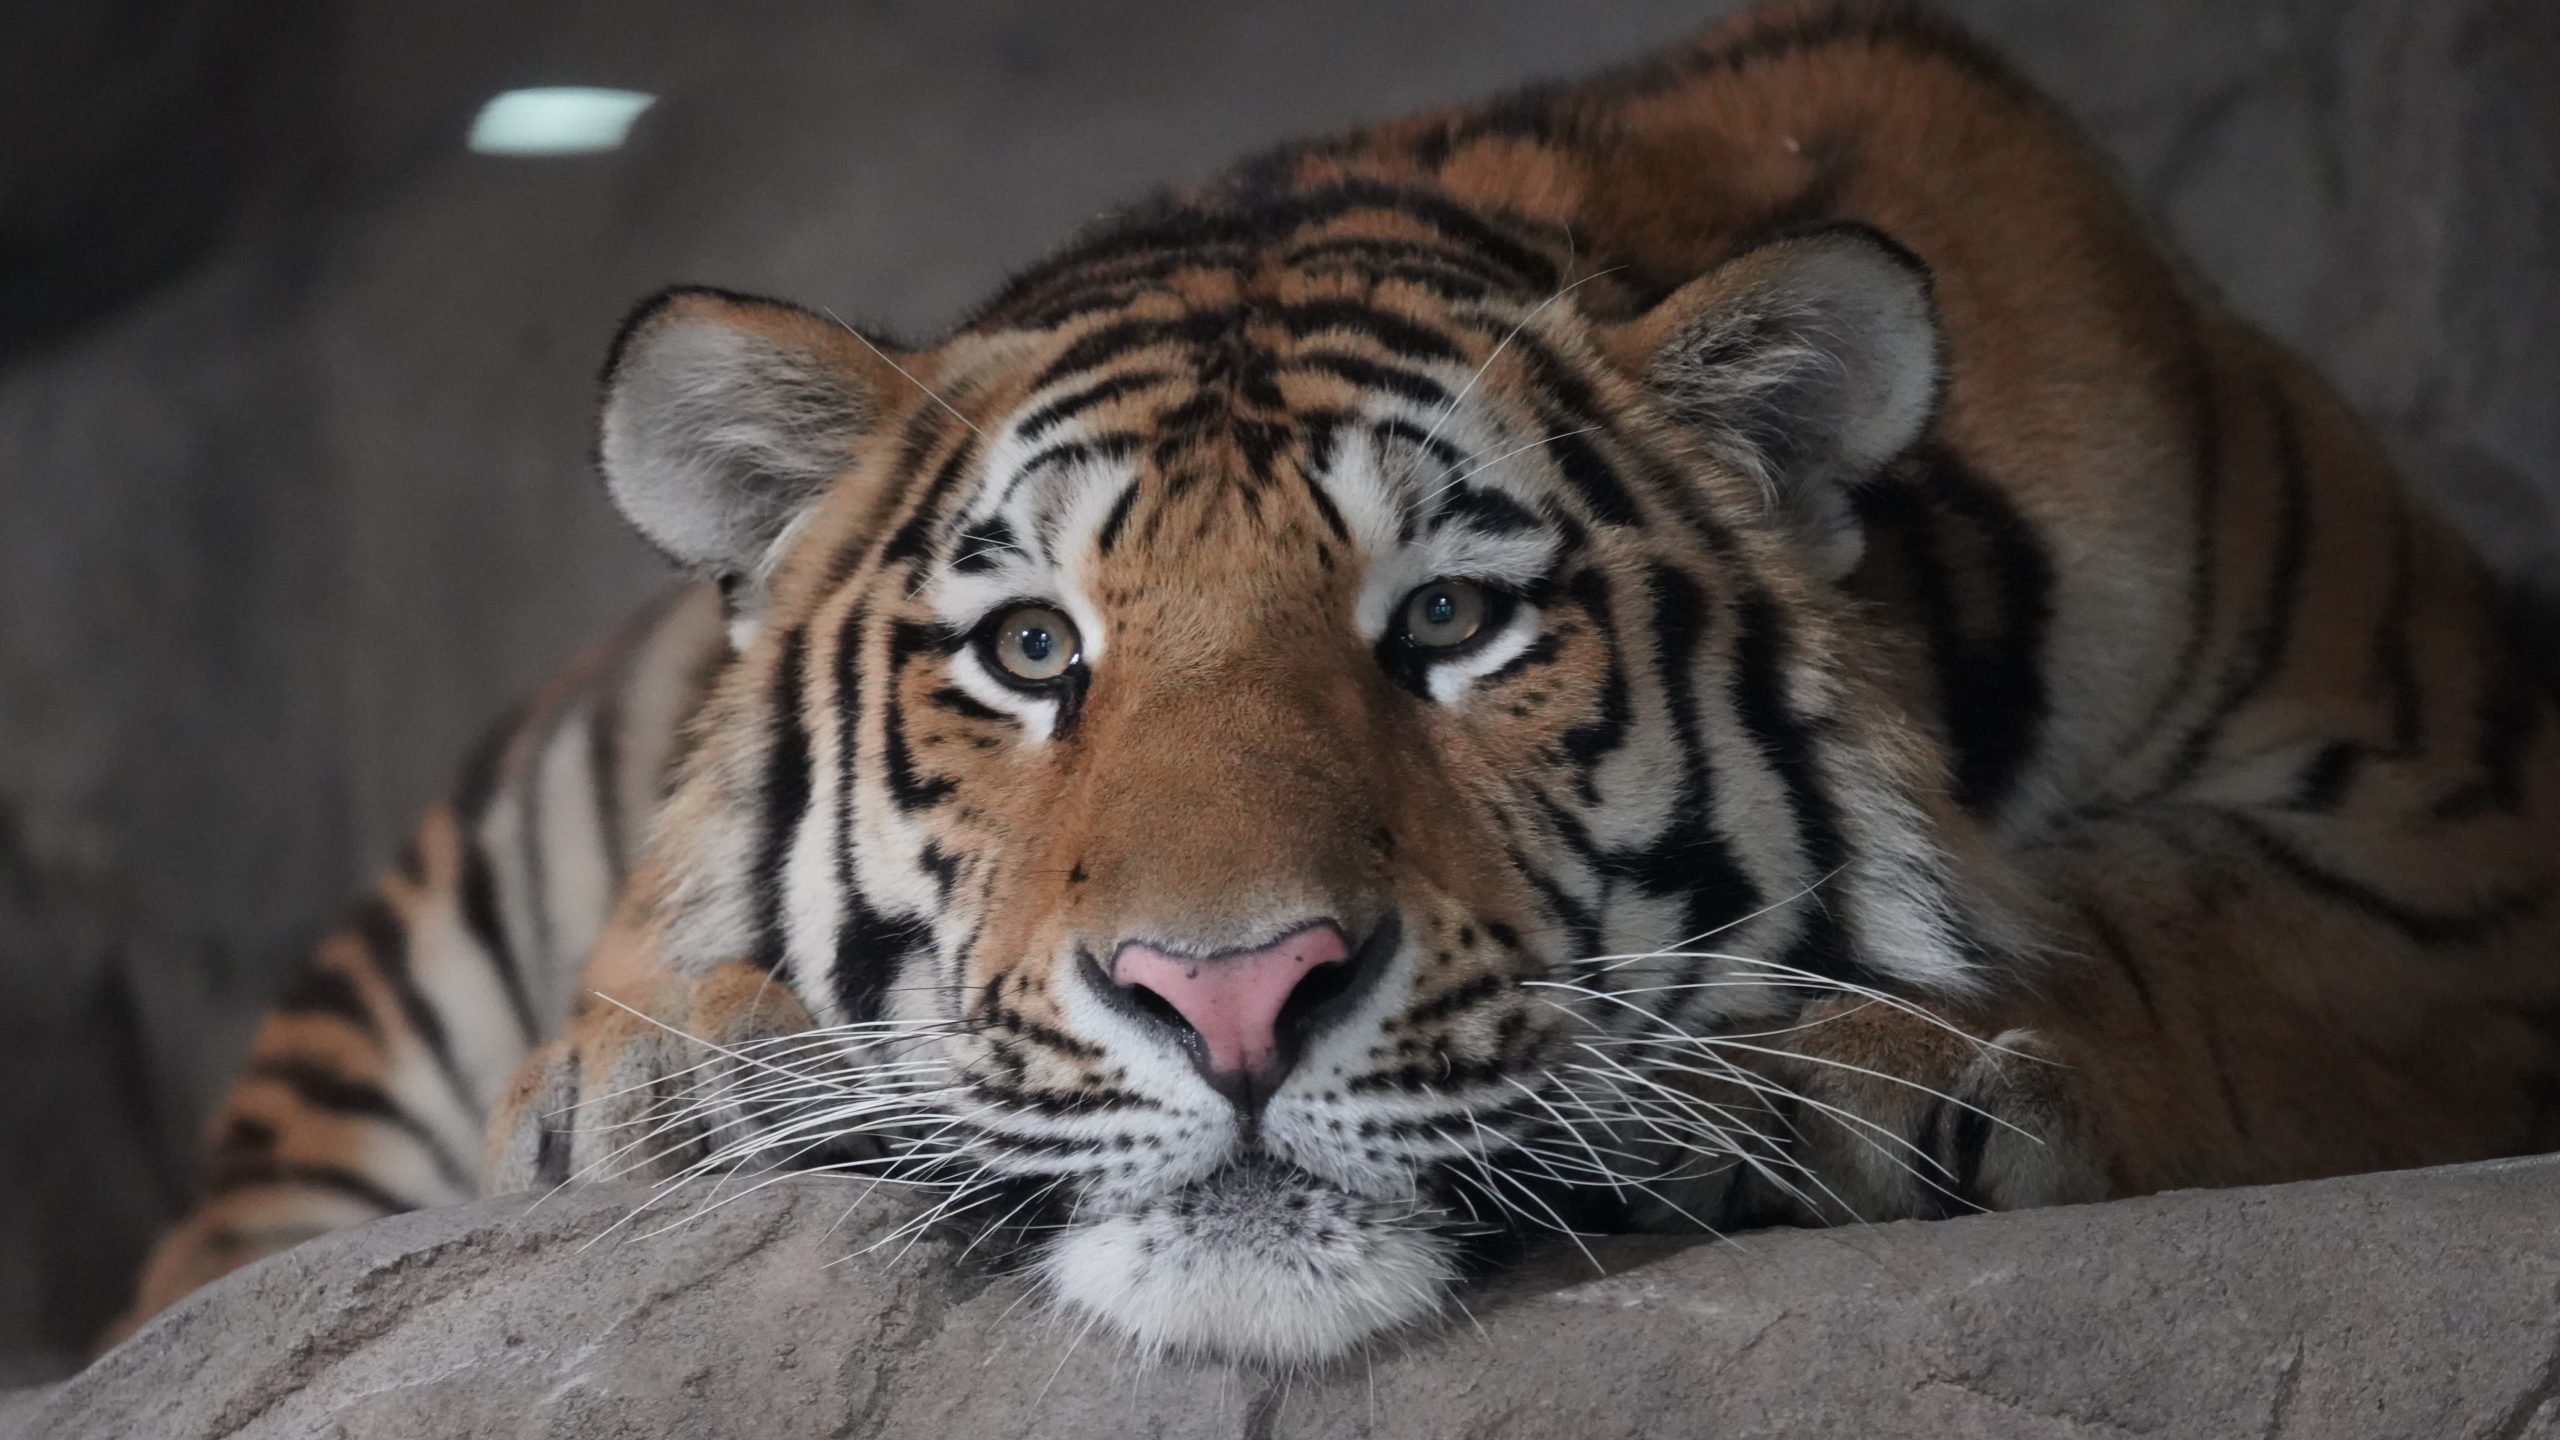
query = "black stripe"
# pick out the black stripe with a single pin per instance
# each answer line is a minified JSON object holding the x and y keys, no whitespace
{"x":1385,"y":250}
{"x":1589,"y":741}
{"x":784,"y":799}
{"x":960,"y":702}
{"x":242,"y":1138}
{"x":1108,"y":445}
{"x":2509,"y":707}
{"x":319,"y":1088}
{"x":913,"y":539}
{"x":386,"y":938}
{"x":2271,"y":637}
{"x":1970,"y":1142}
{"x":1102,"y":345}
{"x":982,"y":546}
{"x":869,"y":946}
{"x":2325,"y":782}
{"x":1999,"y":710}
{"x":2205,"y":478}
{"x":1582,"y":927}
{"x":1567,"y":829}
{"x":550,"y":1152}
{"x":1449,"y":1002}
{"x":1075,"y":402}
{"x":1388,"y":330}
{"x":1692,"y":858}
{"x":1116,"y":445}
{"x":1572,"y":409}
{"x":1399,"y":259}
{"x":1559,"y":379}
{"x":1827,"y":946}
{"x":477,"y":893}
{"x":1444,"y":283}
{"x":2329,"y":779}
{"x":1601,"y":491}
{"x":1234,"y":222}
{"x":485,"y":769}
{"x":604,"y":769}
{"x":1109,"y":534}
{"x":1470,"y":231}
{"x":533,"y":867}
{"x":1371,"y":375}
{"x":1989,"y":667}
{"x":1441,"y":452}
{"x":319,"y":990}
{"x":1326,"y":510}
{"x":2420,"y":925}
{"x":942,"y":866}
{"x":924,"y":432}
{"x":335,"y":1179}
{"x":1479,"y":511}
{"x":909,"y":789}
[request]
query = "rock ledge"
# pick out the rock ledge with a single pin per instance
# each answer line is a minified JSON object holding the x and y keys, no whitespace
{"x":2416,"y":1304}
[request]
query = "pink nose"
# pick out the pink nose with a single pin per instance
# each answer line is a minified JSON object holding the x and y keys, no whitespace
{"x":1233,"y":1002}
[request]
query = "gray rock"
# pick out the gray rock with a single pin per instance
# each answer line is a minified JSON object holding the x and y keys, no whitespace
{"x":2417,"y":1304}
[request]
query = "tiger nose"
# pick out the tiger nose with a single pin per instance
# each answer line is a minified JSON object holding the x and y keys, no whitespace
{"x":1243,"y":1014}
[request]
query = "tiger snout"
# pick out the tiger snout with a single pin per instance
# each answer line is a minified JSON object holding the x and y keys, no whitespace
{"x":1244,"y":1016}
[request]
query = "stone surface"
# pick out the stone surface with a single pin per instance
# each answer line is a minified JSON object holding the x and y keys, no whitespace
{"x":2419,"y":1304}
{"x":294,"y":392}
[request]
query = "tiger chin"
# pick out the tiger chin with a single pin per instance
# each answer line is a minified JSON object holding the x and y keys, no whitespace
{"x":1725,"y":643}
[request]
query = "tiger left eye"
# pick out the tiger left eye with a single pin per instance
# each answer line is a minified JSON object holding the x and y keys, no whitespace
{"x":1445,"y":614}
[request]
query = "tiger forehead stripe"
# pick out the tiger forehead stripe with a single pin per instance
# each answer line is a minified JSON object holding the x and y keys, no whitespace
{"x":1421,"y":227}
{"x":1046,"y":440}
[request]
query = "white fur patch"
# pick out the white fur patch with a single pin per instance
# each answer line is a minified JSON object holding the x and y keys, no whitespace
{"x":1253,"y":1265}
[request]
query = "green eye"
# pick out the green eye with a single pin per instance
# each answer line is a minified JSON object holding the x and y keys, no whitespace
{"x":1033,"y":644}
{"x":1445,"y":614}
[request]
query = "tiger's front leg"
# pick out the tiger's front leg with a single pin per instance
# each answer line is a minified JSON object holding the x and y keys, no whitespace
{"x":650,"y":1088}
{"x":2212,"y":1006}
{"x":1895,"y":1111}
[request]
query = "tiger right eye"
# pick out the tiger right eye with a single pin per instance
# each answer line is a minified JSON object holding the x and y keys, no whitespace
{"x":1034,"y":644}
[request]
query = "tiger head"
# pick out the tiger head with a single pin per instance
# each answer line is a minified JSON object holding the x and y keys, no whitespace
{"x":1276,"y":749}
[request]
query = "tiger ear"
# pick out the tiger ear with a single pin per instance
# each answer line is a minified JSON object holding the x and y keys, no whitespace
{"x":1807,"y":363}
{"x":725,"y":418}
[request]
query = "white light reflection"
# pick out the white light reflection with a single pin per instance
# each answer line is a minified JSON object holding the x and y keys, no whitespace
{"x":557,"y":120}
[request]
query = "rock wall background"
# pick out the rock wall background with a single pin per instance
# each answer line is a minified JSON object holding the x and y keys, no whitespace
{"x":294,"y":391}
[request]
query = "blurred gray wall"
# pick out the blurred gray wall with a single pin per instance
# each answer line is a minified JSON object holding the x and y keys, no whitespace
{"x":294,"y":392}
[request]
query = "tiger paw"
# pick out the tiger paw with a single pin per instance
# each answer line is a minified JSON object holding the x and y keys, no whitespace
{"x":1899,"y":1113}
{"x":645,"y":1092}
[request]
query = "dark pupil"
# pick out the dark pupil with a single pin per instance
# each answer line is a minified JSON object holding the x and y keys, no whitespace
{"x":1035,"y":644}
{"x":1441,"y":608}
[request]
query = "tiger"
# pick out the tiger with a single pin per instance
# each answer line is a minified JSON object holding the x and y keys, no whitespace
{"x":1733,"y":642}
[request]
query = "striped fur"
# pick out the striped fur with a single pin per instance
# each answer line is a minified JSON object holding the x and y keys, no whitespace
{"x":1972,"y":724}
{"x":368,"y":1087}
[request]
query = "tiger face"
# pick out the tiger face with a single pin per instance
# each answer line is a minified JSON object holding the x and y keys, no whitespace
{"x":1280,"y":769}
